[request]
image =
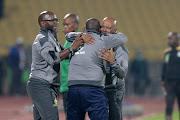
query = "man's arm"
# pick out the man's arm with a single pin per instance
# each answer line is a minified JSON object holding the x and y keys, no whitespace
{"x":120,"y":66}
{"x":162,"y":79}
{"x":71,"y":36}
{"x":118,"y":62}
{"x":87,"y":38}
{"x":71,"y":50}
{"x":47,"y":51}
{"x":114,"y":40}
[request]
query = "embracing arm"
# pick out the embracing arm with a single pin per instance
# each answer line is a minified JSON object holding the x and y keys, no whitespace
{"x":87,"y":38}
{"x":47,"y":51}
{"x":114,"y":40}
{"x":71,"y":36}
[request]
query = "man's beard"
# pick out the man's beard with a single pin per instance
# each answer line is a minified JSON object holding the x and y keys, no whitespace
{"x":53,"y":30}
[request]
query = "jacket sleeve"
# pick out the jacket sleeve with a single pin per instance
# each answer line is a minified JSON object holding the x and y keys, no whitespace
{"x":163,"y":72}
{"x":114,"y":40}
{"x":71,"y":36}
{"x":120,"y":66}
{"x":47,"y":51}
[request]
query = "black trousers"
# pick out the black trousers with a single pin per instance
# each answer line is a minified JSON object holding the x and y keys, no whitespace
{"x":65,"y":96}
{"x":44,"y":100}
{"x":115,"y":98}
{"x":173,"y":92}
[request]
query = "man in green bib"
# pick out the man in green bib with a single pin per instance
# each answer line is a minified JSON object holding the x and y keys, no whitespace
{"x":70,"y":24}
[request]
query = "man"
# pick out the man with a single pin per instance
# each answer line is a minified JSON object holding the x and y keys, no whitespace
{"x":17,"y":60}
{"x":170,"y":74}
{"x":116,"y":70}
{"x":139,"y":71}
{"x":70,"y":24}
{"x":87,"y":73}
{"x":47,"y":53}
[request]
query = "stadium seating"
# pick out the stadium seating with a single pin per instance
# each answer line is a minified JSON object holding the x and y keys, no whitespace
{"x":145,"y":22}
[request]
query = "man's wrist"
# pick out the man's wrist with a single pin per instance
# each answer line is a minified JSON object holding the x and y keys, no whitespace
{"x":72,"y":50}
{"x":112,"y":61}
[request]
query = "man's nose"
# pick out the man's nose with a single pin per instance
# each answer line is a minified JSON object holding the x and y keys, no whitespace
{"x":104,"y":30}
{"x":65,"y":26}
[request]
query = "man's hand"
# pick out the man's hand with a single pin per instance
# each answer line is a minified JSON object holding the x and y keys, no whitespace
{"x":75,"y":45}
{"x":105,"y":55}
{"x":88,"y":39}
{"x":77,"y":42}
{"x":163,"y":88}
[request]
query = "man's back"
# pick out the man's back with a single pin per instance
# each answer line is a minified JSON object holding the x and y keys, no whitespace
{"x":85,"y":66}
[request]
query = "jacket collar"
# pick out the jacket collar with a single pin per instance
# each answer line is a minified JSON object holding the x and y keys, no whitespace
{"x":91,"y":31}
{"x":45,"y":32}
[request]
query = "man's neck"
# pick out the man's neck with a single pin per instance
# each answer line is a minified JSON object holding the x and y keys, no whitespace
{"x":174,"y":46}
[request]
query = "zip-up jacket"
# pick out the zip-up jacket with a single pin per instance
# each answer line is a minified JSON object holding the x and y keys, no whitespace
{"x":116,"y":71}
{"x":45,"y":56}
{"x":85,"y":66}
{"x":171,"y":64}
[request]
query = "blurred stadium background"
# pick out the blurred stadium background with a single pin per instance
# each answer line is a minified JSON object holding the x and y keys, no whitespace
{"x":146,"y":23}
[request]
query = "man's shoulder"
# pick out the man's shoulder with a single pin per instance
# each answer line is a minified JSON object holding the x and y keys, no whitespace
{"x":178,"y":48}
{"x":41,"y":38}
{"x":167,"y":50}
{"x":122,"y":48}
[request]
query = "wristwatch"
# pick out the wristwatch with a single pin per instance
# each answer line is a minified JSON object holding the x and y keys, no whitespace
{"x":71,"y":50}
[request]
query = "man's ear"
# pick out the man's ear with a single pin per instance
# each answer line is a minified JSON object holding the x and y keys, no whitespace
{"x":75,"y":25}
{"x":42,"y":23}
{"x":114,"y":31}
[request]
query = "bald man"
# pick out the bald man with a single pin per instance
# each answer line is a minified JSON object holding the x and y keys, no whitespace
{"x":86,"y":75}
{"x":47,"y":53}
{"x":116,"y":69}
{"x":70,"y":24}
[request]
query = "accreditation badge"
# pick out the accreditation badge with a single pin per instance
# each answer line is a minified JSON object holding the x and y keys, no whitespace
{"x":167,"y":58}
{"x":178,"y":54}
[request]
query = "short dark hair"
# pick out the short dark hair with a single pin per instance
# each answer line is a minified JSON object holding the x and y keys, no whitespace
{"x":174,"y":33}
{"x":93,"y":24}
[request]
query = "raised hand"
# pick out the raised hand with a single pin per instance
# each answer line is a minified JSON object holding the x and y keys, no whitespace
{"x":77,"y":42}
{"x":88,"y":39}
{"x":105,"y":55}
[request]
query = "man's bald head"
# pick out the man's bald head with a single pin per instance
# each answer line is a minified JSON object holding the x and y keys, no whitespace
{"x":173,"y":39}
{"x":44,"y":16}
{"x":70,"y":23}
{"x":73,"y":17}
{"x":112,"y":21}
{"x":93,"y":24}
{"x":108,"y":25}
{"x":48,"y":20}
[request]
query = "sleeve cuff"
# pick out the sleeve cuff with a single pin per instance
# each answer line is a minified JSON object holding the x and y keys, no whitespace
{"x":113,"y":64}
{"x":58,"y":58}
